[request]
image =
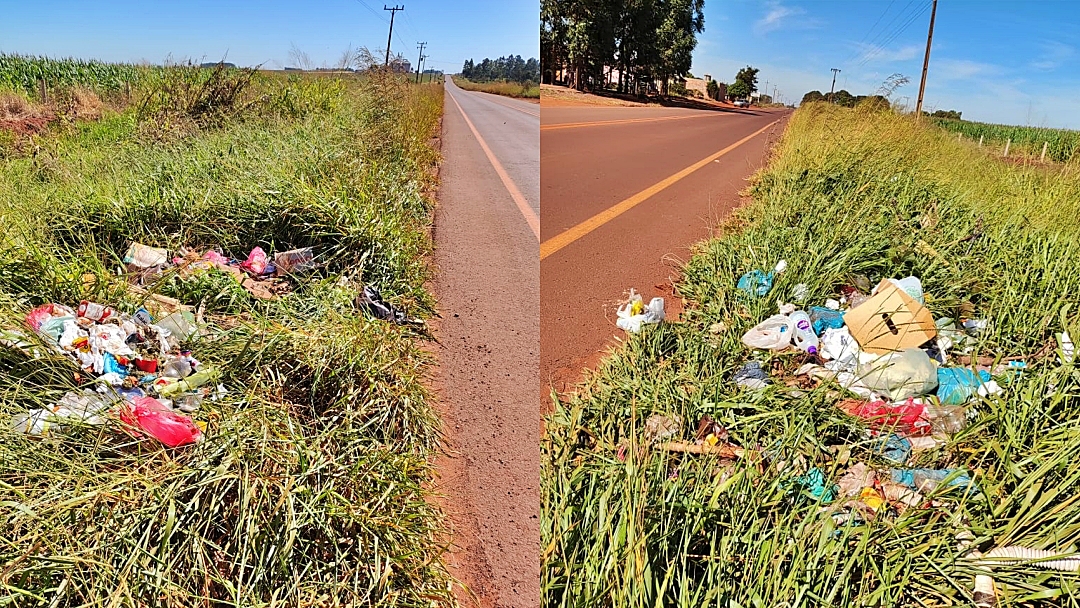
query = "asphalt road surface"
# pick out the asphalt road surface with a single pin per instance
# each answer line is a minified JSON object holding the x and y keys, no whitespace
{"x":486,"y":239}
{"x":627,"y":191}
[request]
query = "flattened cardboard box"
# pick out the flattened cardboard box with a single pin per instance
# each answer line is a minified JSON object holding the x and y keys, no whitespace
{"x":889,"y":321}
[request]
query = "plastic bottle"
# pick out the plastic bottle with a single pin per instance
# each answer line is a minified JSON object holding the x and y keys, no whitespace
{"x":803,"y":334}
{"x":177,"y":368}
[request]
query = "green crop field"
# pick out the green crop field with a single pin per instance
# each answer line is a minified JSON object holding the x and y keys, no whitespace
{"x":310,"y":487}
{"x":23,"y":73}
{"x":1062,"y":144}
{"x":847,"y":193}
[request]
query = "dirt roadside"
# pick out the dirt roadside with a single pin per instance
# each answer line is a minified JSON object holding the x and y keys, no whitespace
{"x":487,"y":283}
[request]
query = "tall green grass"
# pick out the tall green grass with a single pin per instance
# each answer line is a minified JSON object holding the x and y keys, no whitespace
{"x":847,"y":192}
{"x":1061,"y":144}
{"x":310,"y":487}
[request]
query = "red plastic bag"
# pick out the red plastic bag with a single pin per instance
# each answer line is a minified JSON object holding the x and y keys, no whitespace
{"x":36,"y":317}
{"x":256,"y":262}
{"x":161,"y":423}
{"x":909,"y":417}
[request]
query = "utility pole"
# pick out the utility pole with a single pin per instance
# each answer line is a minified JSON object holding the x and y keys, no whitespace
{"x":423,"y":58}
{"x":832,"y":89}
{"x":926,"y":61}
{"x":393,"y":11}
{"x":419,"y":59}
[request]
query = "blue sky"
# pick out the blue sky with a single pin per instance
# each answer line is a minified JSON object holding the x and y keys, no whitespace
{"x":1013,"y":62}
{"x":251,"y":33}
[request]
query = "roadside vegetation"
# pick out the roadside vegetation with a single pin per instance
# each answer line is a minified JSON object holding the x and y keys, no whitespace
{"x":848,"y":192}
{"x":309,"y":488}
{"x":526,"y":90}
{"x":511,"y":76}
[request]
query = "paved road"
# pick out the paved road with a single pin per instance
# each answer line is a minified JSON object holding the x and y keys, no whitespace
{"x":623,"y":202}
{"x":486,"y":240}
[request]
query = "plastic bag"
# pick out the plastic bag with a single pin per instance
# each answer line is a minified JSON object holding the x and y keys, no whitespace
{"x":908,"y":417}
{"x":257,"y":262}
{"x":900,"y":375}
{"x":633,"y":314}
{"x":161,"y":423}
{"x":825,"y":318}
{"x":957,"y":385}
{"x":773,"y":333}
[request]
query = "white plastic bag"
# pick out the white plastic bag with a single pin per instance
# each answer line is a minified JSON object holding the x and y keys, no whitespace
{"x":900,"y":375}
{"x":634,"y":313}
{"x":773,"y":333}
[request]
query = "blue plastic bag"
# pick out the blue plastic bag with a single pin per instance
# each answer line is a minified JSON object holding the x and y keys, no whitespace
{"x":825,"y":318}
{"x":957,"y":385}
{"x":924,"y":479}
{"x":814,"y":482}
{"x":893,"y":447}
{"x":756,"y":283}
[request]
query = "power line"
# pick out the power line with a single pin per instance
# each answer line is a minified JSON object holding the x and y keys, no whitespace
{"x":859,"y":44}
{"x":372,"y":11}
{"x":896,"y":34}
{"x":876,"y":44}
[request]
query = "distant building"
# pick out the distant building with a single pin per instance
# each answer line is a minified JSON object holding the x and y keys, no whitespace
{"x":697,"y":84}
{"x":401,"y":65}
{"x":211,"y":64}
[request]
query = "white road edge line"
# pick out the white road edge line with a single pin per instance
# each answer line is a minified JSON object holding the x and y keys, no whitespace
{"x":523,"y":206}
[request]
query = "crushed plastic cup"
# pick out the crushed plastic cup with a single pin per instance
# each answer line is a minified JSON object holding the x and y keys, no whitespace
{"x":181,"y":324}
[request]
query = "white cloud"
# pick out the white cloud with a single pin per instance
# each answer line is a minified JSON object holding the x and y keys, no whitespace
{"x":1054,"y":54}
{"x":948,"y":70}
{"x":777,"y":16}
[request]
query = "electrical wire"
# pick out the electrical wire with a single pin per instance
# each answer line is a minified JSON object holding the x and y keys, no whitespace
{"x":874,"y":45}
{"x":374,"y":12}
{"x":914,"y":17}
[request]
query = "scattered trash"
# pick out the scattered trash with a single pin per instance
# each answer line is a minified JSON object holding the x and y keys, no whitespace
{"x":773,"y":333}
{"x":723,"y":450}
{"x":908,"y":417}
{"x":957,"y":385}
{"x":757,"y":283}
{"x":815,"y":483}
{"x":840,"y":349}
{"x":800,"y":292}
{"x":900,"y":375}
{"x":295,"y":261}
{"x":803,"y":333}
{"x":371,"y":300}
{"x":824,"y":318}
{"x":257,"y":262}
{"x":143,"y":257}
{"x":659,"y":427}
{"x":889,"y":321}
{"x":133,"y":358}
{"x":633,"y":314}
{"x":161,"y":423}
{"x":1068,"y":350}
{"x":894,"y":447}
{"x":752,"y":376}
{"x":929,"y":480}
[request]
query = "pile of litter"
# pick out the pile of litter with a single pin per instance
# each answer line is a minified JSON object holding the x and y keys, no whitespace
{"x":260,"y":275}
{"x":140,"y":373}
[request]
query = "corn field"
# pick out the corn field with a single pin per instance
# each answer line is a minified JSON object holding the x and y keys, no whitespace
{"x":1062,"y":144}
{"x":23,"y":72}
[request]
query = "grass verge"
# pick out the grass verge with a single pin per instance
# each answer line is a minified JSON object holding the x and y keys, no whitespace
{"x":848,"y":192}
{"x":308,"y":490}
{"x":526,"y":90}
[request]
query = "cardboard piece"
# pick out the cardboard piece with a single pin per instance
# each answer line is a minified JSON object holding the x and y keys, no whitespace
{"x":890,"y":321}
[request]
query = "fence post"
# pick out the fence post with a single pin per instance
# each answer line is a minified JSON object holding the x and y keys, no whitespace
{"x":43,"y":92}
{"x":1043,"y":157}
{"x":980,"y":140}
{"x":1008,"y":142}
{"x":959,"y":136}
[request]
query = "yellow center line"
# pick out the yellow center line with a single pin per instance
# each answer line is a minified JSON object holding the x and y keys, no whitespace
{"x":563,"y":239}
{"x":523,"y":206}
{"x":600,"y":123}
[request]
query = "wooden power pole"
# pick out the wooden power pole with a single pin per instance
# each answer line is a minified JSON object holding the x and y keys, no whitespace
{"x":419,"y":59}
{"x":832,"y":89}
{"x":393,"y":11}
{"x":926,"y":61}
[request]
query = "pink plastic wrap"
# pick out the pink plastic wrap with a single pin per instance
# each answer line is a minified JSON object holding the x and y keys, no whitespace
{"x":161,"y":423}
{"x":909,"y":417}
{"x":256,"y":261}
{"x":215,"y":257}
{"x":36,"y":317}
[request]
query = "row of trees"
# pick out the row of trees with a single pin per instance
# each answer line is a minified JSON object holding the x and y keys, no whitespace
{"x":587,"y":40}
{"x":844,"y":98}
{"x":511,"y":68}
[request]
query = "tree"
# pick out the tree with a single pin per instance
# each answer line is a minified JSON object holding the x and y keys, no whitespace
{"x":812,"y":96}
{"x":843,"y":98}
{"x":748,"y":76}
{"x":713,"y":89}
{"x":739,"y":90}
{"x":950,"y":114}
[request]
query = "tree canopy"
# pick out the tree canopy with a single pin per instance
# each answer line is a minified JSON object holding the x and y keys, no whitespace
{"x":738,"y":90}
{"x":812,"y":96}
{"x":642,"y":39}
{"x":512,"y":68}
{"x":748,"y":76}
